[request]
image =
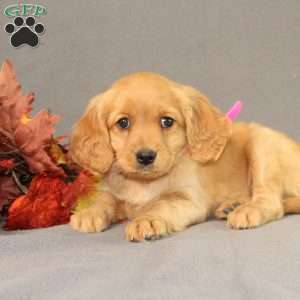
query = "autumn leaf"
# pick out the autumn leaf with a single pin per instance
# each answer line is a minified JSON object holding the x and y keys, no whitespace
{"x":39,"y":184}
{"x":9,"y":86}
{"x":6,"y":164}
{"x":13,"y":104}
{"x":29,"y":136}
{"x":49,"y":201}
{"x":33,"y":138}
{"x":8,"y":190}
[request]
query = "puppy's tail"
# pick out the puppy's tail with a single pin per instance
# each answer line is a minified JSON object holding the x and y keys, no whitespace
{"x":291,"y":205}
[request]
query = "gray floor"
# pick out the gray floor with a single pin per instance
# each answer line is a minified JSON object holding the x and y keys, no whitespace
{"x":230,"y":49}
{"x":207,"y":261}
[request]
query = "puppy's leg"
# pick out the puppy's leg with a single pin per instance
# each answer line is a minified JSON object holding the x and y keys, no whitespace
{"x":263,"y":208}
{"x":266,"y":177}
{"x":171,"y":213}
{"x":99,"y":216}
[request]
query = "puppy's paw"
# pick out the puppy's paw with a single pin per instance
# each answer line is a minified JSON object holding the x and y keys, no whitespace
{"x":146,"y":228}
{"x":245,"y":216}
{"x":88,"y":221}
{"x":225,"y":208}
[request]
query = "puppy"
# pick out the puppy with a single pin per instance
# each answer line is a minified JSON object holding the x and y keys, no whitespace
{"x":170,"y":159}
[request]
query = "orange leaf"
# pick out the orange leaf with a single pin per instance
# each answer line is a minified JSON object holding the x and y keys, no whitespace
{"x":49,"y":202}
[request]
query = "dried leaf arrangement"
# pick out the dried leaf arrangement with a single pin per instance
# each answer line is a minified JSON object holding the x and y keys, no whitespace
{"x":39,"y":184}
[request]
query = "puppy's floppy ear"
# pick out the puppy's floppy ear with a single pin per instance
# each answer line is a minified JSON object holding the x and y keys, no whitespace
{"x":207,"y":129}
{"x":90,"y":142}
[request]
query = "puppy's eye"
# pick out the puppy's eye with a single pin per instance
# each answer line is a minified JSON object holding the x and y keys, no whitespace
{"x":166,"y":122}
{"x":123,"y":123}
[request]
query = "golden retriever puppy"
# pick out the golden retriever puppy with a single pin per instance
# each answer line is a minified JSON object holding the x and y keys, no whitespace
{"x":170,"y":159}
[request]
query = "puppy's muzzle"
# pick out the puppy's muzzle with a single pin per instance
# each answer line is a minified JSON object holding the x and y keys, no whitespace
{"x":145,"y":157}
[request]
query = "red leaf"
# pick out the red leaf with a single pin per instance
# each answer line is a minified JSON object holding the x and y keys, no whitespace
{"x":48,"y":202}
{"x":33,"y":138}
{"x":9,"y":86}
{"x":8,"y":190}
{"x":7,"y":164}
{"x":30,"y":137}
{"x":13,"y":103}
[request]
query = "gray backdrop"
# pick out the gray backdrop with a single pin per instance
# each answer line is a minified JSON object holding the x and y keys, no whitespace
{"x":230,"y":49}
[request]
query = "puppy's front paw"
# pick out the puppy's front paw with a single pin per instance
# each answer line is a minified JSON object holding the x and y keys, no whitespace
{"x":146,"y":228}
{"x":244,"y":217}
{"x":225,"y":208}
{"x":88,"y":221}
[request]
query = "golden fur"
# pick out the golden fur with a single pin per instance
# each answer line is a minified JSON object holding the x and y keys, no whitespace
{"x":205,"y":164}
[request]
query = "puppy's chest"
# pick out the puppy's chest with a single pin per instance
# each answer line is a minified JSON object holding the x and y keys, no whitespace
{"x":133,"y":192}
{"x":139,"y":193}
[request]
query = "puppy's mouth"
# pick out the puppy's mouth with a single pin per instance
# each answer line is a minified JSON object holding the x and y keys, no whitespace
{"x":143,"y":173}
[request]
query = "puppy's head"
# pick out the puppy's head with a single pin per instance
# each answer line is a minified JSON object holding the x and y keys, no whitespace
{"x":144,"y":124}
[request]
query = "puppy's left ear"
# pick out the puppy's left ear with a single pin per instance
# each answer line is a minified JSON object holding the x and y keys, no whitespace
{"x":207,"y":129}
{"x":90,"y":142}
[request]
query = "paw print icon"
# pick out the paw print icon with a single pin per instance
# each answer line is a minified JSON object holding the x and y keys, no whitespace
{"x":24,"y":31}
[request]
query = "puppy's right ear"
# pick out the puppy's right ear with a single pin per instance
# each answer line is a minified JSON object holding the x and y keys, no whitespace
{"x":90,"y":142}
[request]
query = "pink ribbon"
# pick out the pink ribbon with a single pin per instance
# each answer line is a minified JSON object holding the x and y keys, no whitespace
{"x":235,"y":110}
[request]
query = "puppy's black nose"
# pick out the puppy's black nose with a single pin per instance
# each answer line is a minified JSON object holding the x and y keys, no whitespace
{"x":145,"y":157}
